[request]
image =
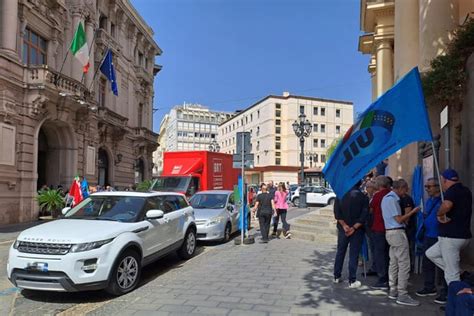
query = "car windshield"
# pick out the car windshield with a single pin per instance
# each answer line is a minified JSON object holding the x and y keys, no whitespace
{"x":213,"y":201}
{"x":174,"y":184}
{"x":115,"y":208}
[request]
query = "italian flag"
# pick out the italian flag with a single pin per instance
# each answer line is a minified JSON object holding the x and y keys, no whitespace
{"x":79,"y":47}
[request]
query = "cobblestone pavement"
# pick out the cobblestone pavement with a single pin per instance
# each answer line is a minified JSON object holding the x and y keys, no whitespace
{"x":283,"y":277}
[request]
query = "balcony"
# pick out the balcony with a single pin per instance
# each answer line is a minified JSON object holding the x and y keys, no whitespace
{"x":40,"y":77}
{"x":142,"y":74}
{"x":105,"y":39}
{"x":145,"y":134}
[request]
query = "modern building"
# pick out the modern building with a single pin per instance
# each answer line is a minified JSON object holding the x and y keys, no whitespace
{"x":274,"y":144}
{"x":400,"y":35}
{"x":56,"y":122}
{"x":158,"y":153}
{"x":188,"y":127}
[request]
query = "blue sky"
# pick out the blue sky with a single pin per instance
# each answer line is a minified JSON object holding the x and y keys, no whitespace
{"x":228,"y":54}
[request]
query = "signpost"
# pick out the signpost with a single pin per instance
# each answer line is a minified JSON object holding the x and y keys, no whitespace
{"x":243,"y":159}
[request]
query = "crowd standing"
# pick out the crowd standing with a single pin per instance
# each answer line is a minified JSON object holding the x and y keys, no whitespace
{"x":384,"y":212}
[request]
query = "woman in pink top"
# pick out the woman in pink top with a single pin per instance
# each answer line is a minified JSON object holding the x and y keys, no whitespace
{"x":281,"y":206}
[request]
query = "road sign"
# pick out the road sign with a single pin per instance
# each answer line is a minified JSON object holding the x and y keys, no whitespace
{"x":238,"y":157}
{"x":247,"y":144}
{"x":247,"y":164}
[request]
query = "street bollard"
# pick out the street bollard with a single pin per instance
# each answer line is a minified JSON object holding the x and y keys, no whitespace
{"x":302,"y":198}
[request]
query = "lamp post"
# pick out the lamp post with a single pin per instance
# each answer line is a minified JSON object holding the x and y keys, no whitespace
{"x":214,"y":146}
{"x":302,"y":129}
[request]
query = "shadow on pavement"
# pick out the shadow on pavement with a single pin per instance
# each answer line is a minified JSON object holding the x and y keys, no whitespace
{"x":323,"y":292}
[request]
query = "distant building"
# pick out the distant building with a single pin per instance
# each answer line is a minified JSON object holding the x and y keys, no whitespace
{"x":158,"y":154}
{"x":274,"y":144}
{"x":188,"y":127}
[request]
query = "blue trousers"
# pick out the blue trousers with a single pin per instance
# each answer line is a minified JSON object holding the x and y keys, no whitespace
{"x":354,"y":242}
{"x":459,"y":305}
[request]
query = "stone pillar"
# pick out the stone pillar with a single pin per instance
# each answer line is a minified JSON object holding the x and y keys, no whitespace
{"x":406,"y":48}
{"x":406,"y":52}
{"x":437,"y":20}
{"x":384,"y":53}
{"x":76,"y":67}
{"x":90,"y":37}
{"x":9,"y":25}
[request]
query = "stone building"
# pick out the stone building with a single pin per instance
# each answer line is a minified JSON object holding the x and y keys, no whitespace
{"x":55,"y":122}
{"x":402,"y":34}
{"x":274,"y":144}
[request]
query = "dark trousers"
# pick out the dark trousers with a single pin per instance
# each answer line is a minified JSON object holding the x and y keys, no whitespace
{"x":265,"y":220}
{"x":459,"y":305}
{"x":429,"y":268}
{"x":381,"y":256}
{"x":280,"y":213}
{"x":354,"y":242}
{"x":369,"y":235}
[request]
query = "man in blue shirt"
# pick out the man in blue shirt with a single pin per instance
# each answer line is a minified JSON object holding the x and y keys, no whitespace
{"x":399,"y":267}
{"x":429,"y":238}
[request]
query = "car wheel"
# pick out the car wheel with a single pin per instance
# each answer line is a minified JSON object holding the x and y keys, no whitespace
{"x":296,"y":201}
{"x":189,"y":245}
{"x":125,"y":273}
{"x":331,"y":202}
{"x":227,"y":232}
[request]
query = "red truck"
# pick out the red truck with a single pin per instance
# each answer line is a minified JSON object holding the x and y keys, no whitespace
{"x":191,"y":171}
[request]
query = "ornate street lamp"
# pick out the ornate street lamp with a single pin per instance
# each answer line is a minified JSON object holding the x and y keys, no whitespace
{"x":214,"y":146}
{"x":302,"y":129}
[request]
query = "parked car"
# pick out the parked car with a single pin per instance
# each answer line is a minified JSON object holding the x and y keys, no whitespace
{"x":103,"y":242}
{"x":217,"y":216}
{"x":314,"y":195}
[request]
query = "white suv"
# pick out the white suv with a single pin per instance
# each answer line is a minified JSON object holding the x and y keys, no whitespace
{"x":103,"y":242}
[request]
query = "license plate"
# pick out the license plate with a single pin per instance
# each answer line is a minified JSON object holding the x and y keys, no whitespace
{"x":37,"y":266}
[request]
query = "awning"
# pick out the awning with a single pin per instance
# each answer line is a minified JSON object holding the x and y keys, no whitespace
{"x":183,"y":166}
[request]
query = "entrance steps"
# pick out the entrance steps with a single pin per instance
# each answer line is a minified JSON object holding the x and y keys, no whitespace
{"x":318,"y":226}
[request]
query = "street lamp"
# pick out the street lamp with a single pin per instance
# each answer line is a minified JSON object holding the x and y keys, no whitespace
{"x":302,"y":129}
{"x":214,"y":146}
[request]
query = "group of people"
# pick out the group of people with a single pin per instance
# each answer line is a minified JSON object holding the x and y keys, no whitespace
{"x":272,"y":202}
{"x":385,"y":213}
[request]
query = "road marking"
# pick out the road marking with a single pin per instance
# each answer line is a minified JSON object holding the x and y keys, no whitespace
{"x":7,"y":242}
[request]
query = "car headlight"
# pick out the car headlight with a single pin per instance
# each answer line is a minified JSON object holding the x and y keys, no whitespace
{"x":16,"y":244}
{"x":89,"y":245}
{"x":215,"y":220}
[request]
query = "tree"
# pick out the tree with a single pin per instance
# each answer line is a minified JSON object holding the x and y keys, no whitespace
{"x":332,"y":147}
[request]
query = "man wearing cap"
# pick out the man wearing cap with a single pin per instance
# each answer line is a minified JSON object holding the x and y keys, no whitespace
{"x":454,"y":216}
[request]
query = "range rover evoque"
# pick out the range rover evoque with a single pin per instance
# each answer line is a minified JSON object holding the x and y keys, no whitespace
{"x":103,"y":242}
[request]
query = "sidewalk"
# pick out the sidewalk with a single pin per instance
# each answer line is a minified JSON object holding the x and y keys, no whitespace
{"x":10,"y":232}
{"x":283,"y":277}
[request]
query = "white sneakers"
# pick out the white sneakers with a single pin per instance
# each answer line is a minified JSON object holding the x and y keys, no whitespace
{"x":355,"y":284}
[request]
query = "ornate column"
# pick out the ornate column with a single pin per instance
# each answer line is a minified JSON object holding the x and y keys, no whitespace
{"x":373,"y":76}
{"x":9,"y":25}
{"x":90,"y":36}
{"x":76,"y":67}
{"x":384,"y":62}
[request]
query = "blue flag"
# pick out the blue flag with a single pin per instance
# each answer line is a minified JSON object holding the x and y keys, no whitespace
{"x":107,"y":68}
{"x":394,"y":120}
{"x":84,"y":188}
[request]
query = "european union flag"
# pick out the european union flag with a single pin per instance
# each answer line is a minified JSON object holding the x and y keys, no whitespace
{"x":107,"y":68}
{"x":394,"y":120}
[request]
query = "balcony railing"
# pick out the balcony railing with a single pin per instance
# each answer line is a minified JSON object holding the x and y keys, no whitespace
{"x":145,"y":133}
{"x":104,"y":38}
{"x":40,"y":76}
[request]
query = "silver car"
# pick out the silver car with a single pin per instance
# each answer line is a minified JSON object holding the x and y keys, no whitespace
{"x":216,"y":215}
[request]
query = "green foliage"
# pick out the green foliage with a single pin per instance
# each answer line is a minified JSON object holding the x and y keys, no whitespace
{"x":445,"y":83}
{"x":144,"y":186}
{"x":50,"y":200}
{"x":332,"y":147}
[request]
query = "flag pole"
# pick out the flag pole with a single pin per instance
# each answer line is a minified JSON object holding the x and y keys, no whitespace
{"x":90,"y":51}
{"x":97,"y":70}
{"x":437,"y":170}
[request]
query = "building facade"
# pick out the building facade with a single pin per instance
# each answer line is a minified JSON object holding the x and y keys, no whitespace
{"x":275,"y":146}
{"x":400,"y":35}
{"x":56,"y":122}
{"x":188,"y":127}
